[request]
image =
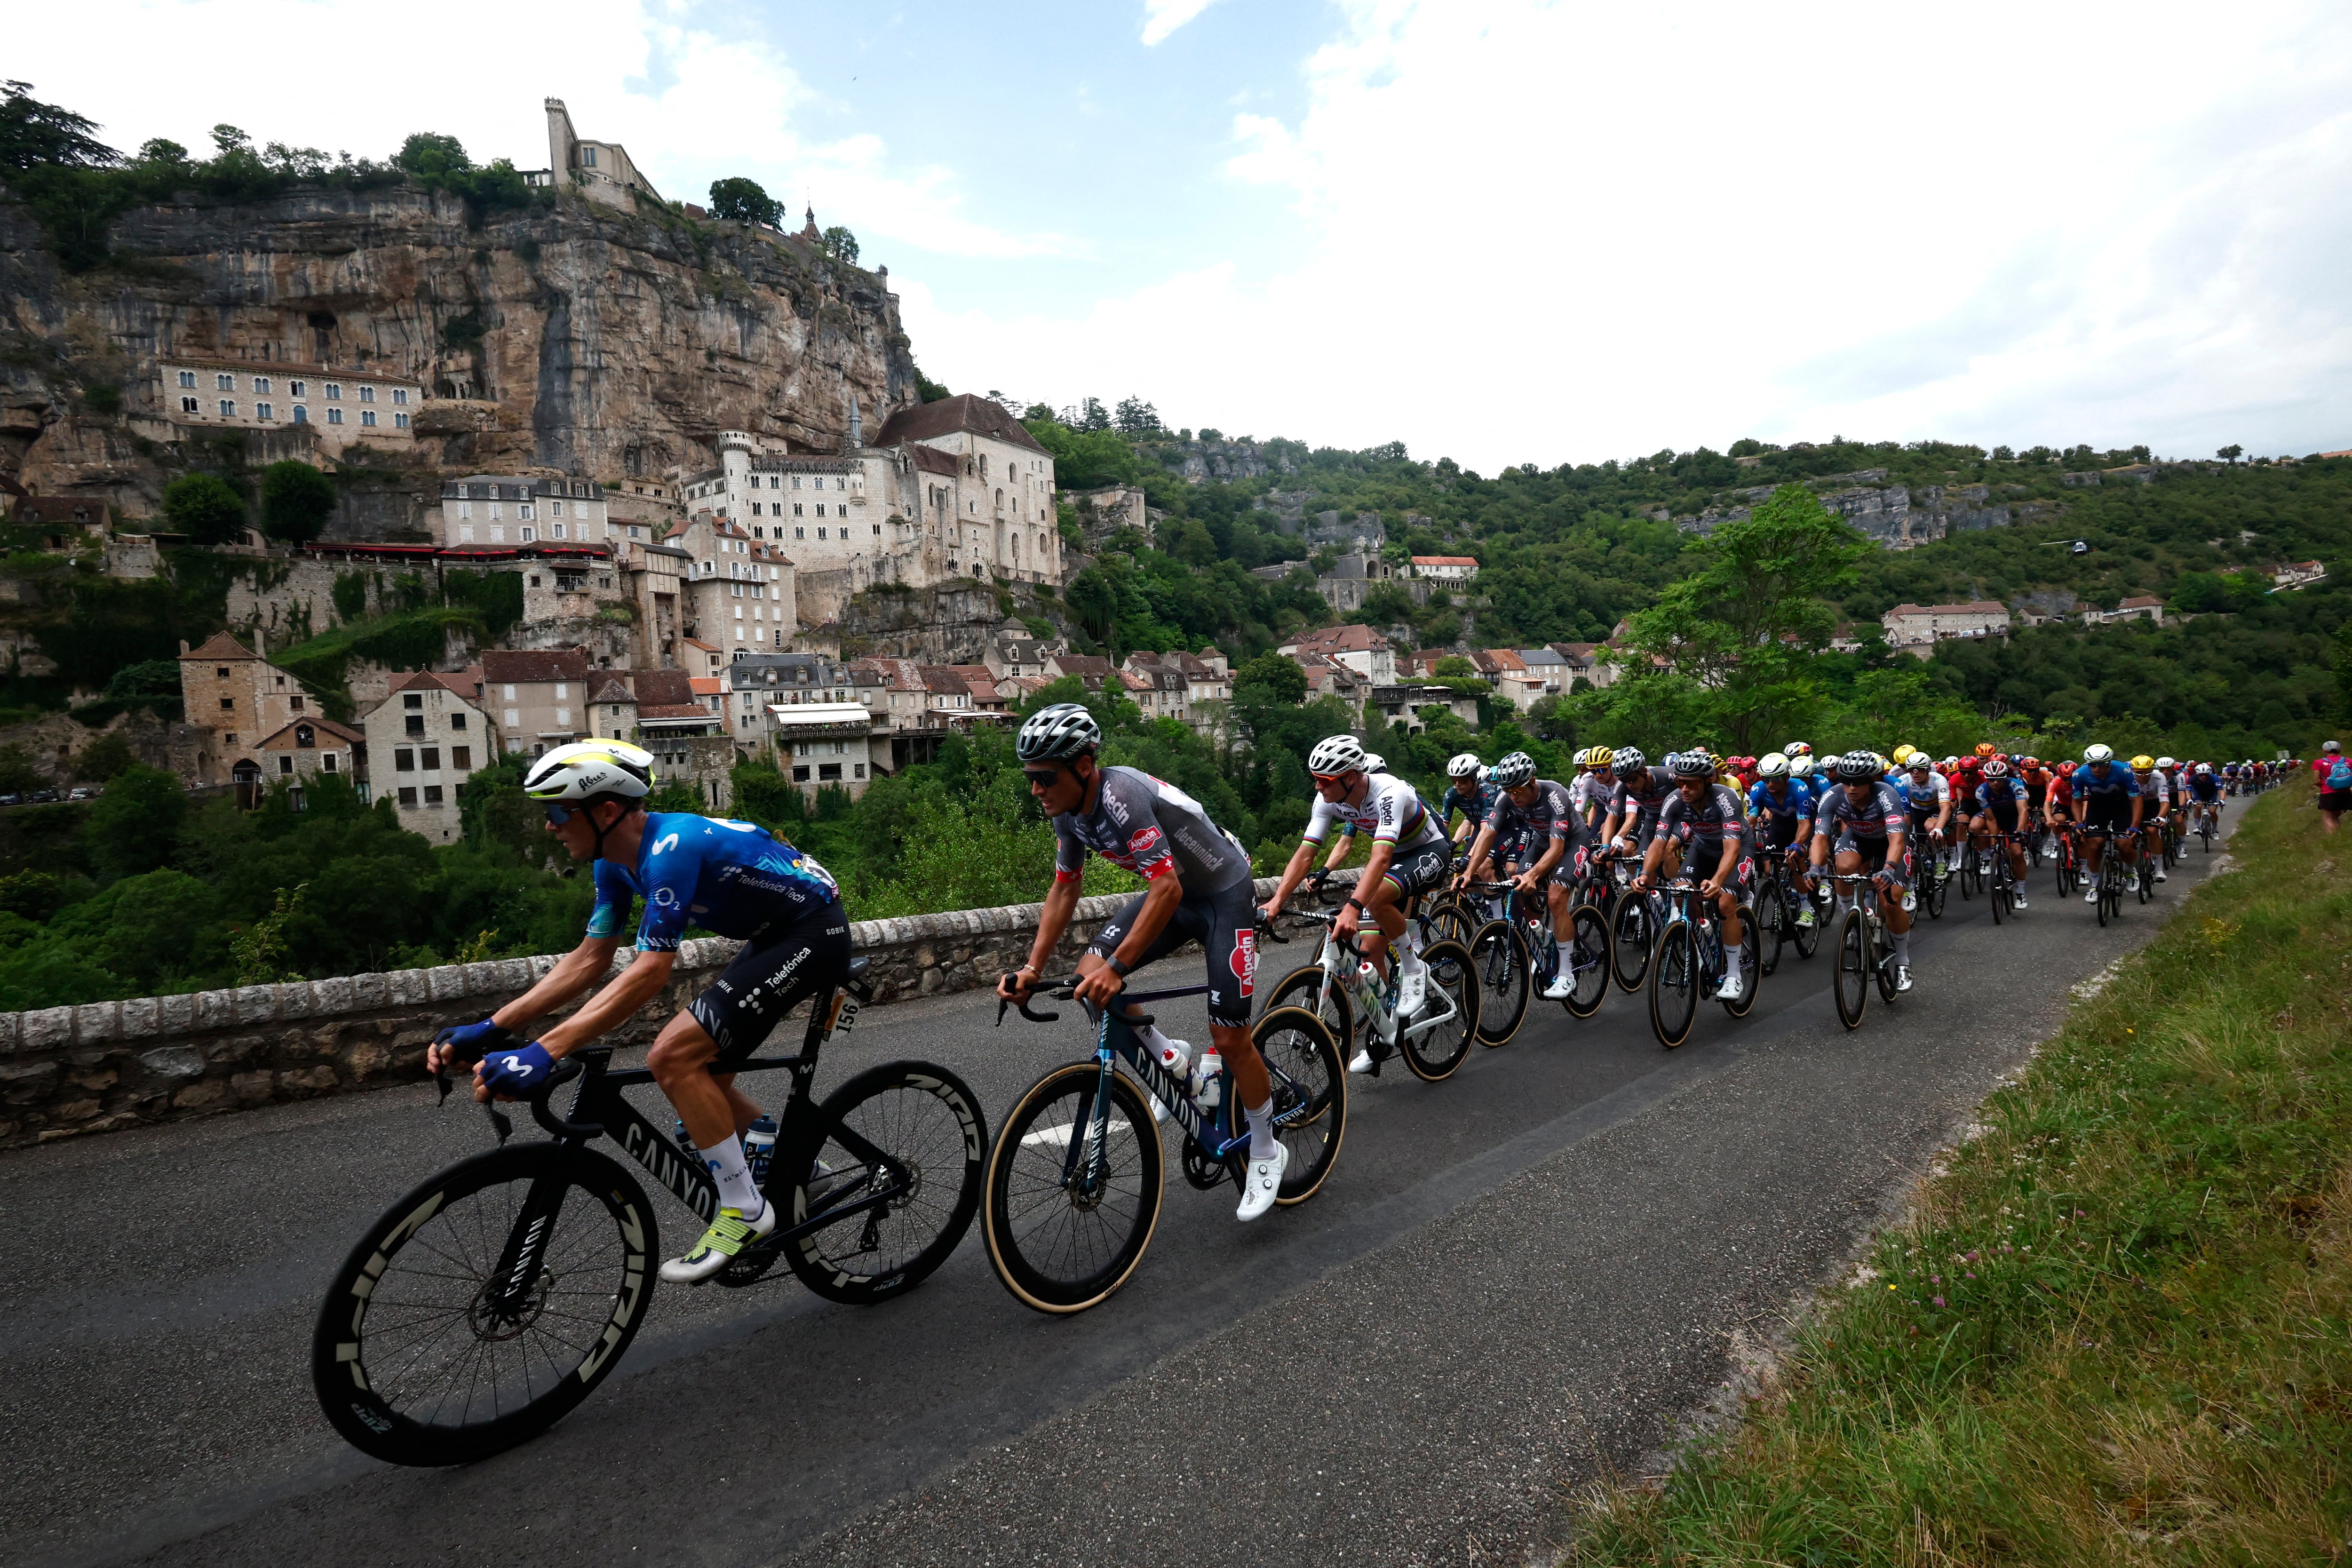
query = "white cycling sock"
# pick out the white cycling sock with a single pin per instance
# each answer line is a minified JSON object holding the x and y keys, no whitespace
{"x":736,"y":1189}
{"x":1261,"y":1126}
{"x":1902,"y":946}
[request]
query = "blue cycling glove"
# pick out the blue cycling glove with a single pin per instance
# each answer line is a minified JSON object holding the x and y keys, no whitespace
{"x":474,"y":1039}
{"x":519,"y":1071}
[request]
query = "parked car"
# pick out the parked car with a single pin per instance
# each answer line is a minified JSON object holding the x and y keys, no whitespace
{"x":12,"y":800}
{"x":41,"y":797}
{"x":83,"y":792}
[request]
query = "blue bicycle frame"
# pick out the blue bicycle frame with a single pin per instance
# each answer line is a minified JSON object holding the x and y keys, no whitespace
{"x":1213,"y":1132}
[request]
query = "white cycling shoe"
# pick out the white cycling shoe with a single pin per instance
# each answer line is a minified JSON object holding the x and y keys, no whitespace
{"x":1361,"y":1062}
{"x":1901,"y":978}
{"x":2160,"y":876}
{"x":2017,"y":900}
{"x":728,"y":1234}
{"x":1261,"y":1183}
{"x":1561,"y":988}
{"x":2091,"y":894}
{"x":1804,"y":914}
{"x":1730,"y":990}
{"x":1412,"y":988}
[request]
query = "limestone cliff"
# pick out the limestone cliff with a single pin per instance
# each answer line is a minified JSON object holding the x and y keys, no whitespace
{"x":575,"y":338}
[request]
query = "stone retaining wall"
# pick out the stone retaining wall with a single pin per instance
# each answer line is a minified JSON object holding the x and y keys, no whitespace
{"x":106,"y":1065}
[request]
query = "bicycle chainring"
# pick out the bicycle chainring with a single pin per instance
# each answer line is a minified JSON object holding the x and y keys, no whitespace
{"x":1200,"y":1170}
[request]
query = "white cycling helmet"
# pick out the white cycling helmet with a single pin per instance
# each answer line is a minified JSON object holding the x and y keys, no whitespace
{"x":1336,"y":755}
{"x":1375,"y":763}
{"x":2205,"y":767}
{"x":590,"y":768}
{"x":1515,"y":771}
{"x":2167,"y":764}
{"x":1771,"y":765}
{"x":2096,"y":752}
{"x":1796,"y":749}
{"x":1463,"y":765}
{"x":1627,"y":758}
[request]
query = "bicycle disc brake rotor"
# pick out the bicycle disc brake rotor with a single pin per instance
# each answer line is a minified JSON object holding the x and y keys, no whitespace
{"x":497,"y":1313}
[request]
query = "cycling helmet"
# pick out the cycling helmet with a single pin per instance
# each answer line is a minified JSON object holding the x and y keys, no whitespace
{"x":2033,"y":761}
{"x":1996,"y":769}
{"x":1463,"y":765}
{"x":1796,"y":749}
{"x":1057,"y":733}
{"x":2167,"y":764}
{"x":1857,"y":767}
{"x":1375,"y":763}
{"x":1338,"y":754}
{"x":2096,"y":752}
{"x":1903,"y":755}
{"x":1772,"y":765}
{"x":1921,"y":762}
{"x":1515,"y":771}
{"x":1628,"y":758}
{"x":587,"y":770}
{"x":1692,"y":766}
{"x":2142,"y":762}
{"x":1985,"y":748}
{"x":2205,"y":767}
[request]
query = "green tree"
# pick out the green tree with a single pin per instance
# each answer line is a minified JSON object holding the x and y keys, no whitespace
{"x":204,"y":508}
{"x":2230,"y":454}
{"x":1270,"y":681}
{"x":841,"y":245}
{"x":135,"y":824}
{"x":739,"y":200}
{"x":17,"y":773}
{"x":297,"y":500}
{"x":108,"y":757}
{"x":1455,"y":664}
{"x":36,"y":135}
{"x":432,"y":155}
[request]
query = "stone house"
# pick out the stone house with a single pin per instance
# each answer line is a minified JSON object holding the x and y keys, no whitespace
{"x":2297,"y":573}
{"x":600,"y":171}
{"x":1916,"y":626}
{"x":337,"y":406}
{"x":741,"y":591}
{"x":539,"y":698}
{"x":1329,"y":678}
{"x":309,"y":747}
{"x":525,"y":508}
{"x":426,"y":738}
{"x":1586,"y":661}
{"x":1447,"y":569}
{"x":1096,"y":672}
{"x":612,"y":709}
{"x":1361,"y":648}
{"x":240,"y":699}
{"x":2140,"y":607}
{"x":1402,"y":704}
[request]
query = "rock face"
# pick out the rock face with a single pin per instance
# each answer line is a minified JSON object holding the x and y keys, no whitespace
{"x":577,"y":338}
{"x":1890,"y":514}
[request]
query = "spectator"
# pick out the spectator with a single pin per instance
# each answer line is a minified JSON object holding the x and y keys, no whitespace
{"x":2333,"y":772}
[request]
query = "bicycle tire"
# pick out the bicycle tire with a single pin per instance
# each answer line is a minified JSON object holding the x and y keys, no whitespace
{"x":1630,"y":943}
{"x":1023,"y":1245}
{"x":1303,"y":988}
{"x":1673,"y":985}
{"x":1996,"y":896}
{"x":1807,"y":938}
{"x":1748,"y":956}
{"x":1434,"y":1053}
{"x":1310,"y":1096}
{"x":1851,"y":984}
{"x":930,"y":1123}
{"x":1770,"y":897}
{"x":1932,"y":895}
{"x":373,"y":1356}
{"x":1587,"y":957}
{"x":1881,"y":966}
{"x":1503,"y":982}
{"x":1451,"y":922}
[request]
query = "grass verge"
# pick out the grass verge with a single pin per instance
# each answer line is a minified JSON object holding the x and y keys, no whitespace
{"x":2117,"y":1327}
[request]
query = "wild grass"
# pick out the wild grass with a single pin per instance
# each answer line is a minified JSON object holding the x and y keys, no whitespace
{"x":2117,"y":1327}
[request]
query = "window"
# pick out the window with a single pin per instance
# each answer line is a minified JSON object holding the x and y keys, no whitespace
{"x":819,"y":508}
{"x":403,"y":759}
{"x":400,"y":420}
{"x":228,"y":408}
{"x":465,"y":533}
{"x":556,"y":509}
{"x":460,"y":758}
{"x":225,"y":384}
{"x":523,"y":511}
{"x":285,"y":764}
{"x":334,"y":416}
{"x":529,"y":534}
{"x":860,"y":768}
{"x":564,"y":718}
{"x":400,"y":397}
{"x":562,"y":689}
{"x":799,"y":533}
{"x":826,"y":771}
{"x":301,"y":415}
{"x":367,"y":416}
{"x":820,"y":533}
{"x":588,"y":156}
{"x":367,"y":394}
{"x":458,"y":722}
{"x":334,"y":391}
{"x":755,"y":512}
{"x":877,"y":530}
{"x":796,"y":512}
{"x":514,"y":716}
{"x":187,"y":378}
{"x":407,"y":795}
{"x":294,"y":388}
{"x":262,"y":411}
{"x":222,"y":672}
{"x":297,"y":704}
{"x":433,"y":794}
{"x":229,"y":704}
{"x":412,"y":700}
{"x":189,"y":405}
{"x":326,"y":762}
{"x":430,"y":761}
{"x":261,"y":384}
{"x":229,"y":738}
{"x":498,"y":535}
{"x":416,"y":725}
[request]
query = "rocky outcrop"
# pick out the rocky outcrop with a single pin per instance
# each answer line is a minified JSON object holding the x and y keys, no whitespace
{"x":950,"y":623}
{"x":586,"y":340}
{"x":1198,"y":461}
{"x":1893,"y":515}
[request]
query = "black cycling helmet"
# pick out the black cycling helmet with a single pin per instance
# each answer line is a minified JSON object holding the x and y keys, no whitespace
{"x":1857,"y":767}
{"x":1515,"y":771}
{"x":1692,"y":766}
{"x":1057,"y":734}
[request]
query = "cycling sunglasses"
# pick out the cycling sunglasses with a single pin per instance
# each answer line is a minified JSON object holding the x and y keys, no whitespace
{"x":557,"y":816}
{"x":1044,"y":778}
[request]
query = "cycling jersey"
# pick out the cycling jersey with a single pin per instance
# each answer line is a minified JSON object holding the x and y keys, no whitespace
{"x":2000,"y":792}
{"x":1797,"y":802}
{"x":1478,"y":805}
{"x":1714,"y":817}
{"x":1884,"y":812}
{"x":1141,"y":824}
{"x":1638,"y":797}
{"x":730,"y":878}
{"x":2089,"y":785}
{"x":1549,"y":817}
{"x":2204,"y":787}
{"x":1393,"y":809}
{"x":1924,"y":799}
{"x":2158,"y":789}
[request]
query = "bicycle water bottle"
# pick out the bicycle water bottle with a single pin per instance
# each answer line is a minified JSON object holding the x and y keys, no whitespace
{"x":1209,"y":1080}
{"x":1174,"y":1056}
{"x":760,"y":1148}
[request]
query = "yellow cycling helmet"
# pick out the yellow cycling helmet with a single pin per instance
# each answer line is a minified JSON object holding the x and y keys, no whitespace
{"x":2143,"y":763}
{"x":1903,"y":755}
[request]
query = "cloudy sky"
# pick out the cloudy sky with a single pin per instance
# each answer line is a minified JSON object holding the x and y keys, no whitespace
{"x":1498,"y":230}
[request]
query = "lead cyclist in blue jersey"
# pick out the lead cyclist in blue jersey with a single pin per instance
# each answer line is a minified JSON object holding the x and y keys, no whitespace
{"x":729,"y":877}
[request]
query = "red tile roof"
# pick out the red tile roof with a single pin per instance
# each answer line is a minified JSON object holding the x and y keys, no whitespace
{"x":500,"y":666}
{"x":220,"y":646}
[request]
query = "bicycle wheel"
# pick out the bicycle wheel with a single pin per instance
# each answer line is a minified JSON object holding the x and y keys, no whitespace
{"x":1997,"y":895}
{"x":1881,"y":962}
{"x":1062,"y":1248}
{"x":1932,"y":892}
{"x":2144,"y":882}
{"x":1748,"y":955}
{"x":1673,"y":985}
{"x":1807,"y":936}
{"x":1772,"y":908}
{"x":1303,"y":987}
{"x":1434,"y":1051}
{"x":1310,"y":1096}
{"x":902,"y":1123}
{"x":485,"y":1305}
{"x":1449,"y":921}
{"x":1587,"y":955}
{"x":1630,"y":944}
{"x":1852,"y":980}
{"x":1501,"y":960}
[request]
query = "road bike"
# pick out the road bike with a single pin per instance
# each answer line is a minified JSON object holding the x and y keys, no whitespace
{"x":2111,"y":874}
{"x":2209,"y":823}
{"x":1498,"y":956}
{"x":1865,"y":955}
{"x":1692,"y":956}
{"x":496,"y":1296}
{"x":1075,"y":1182}
{"x":2000,"y":881}
{"x":1586,"y":953}
{"x":2067,"y":855}
{"x":1632,"y":929}
{"x":1433,"y":1042}
{"x":1779,"y":903}
{"x":1935,"y":880}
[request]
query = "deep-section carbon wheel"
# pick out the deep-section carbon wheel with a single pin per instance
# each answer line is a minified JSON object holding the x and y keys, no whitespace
{"x":1433,"y":1053}
{"x":1852,"y":977}
{"x":1310,"y":1096}
{"x":1065,"y":1232}
{"x":1586,"y":955}
{"x":1304,"y":988}
{"x":1630,"y":933}
{"x":912,"y":1131}
{"x":484,"y":1305}
{"x":1504,"y":984}
{"x":1748,"y":956}
{"x":1673,"y":985}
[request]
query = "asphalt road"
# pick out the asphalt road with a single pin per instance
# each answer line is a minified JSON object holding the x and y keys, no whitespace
{"x":1516,"y":1281}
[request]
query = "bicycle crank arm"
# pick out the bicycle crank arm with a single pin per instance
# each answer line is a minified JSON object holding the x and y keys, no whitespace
{"x":1413,"y":1031}
{"x":832,"y":1217}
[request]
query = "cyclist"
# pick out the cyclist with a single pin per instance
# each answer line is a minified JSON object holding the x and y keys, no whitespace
{"x":2105,"y":797}
{"x":1704,"y":815}
{"x":1783,"y":807}
{"x":1471,"y":793}
{"x":1340,"y":848}
{"x":2205,"y":793}
{"x":732,"y":878}
{"x":1634,"y":807}
{"x":2175,"y":794}
{"x":2155,"y":805}
{"x":2000,"y":806}
{"x":1862,"y":821}
{"x":1927,"y":805}
{"x":1410,"y":855}
{"x":1540,"y":813}
{"x":1199,"y":890}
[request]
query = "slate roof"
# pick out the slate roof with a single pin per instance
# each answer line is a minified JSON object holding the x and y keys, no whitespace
{"x":965,"y":411}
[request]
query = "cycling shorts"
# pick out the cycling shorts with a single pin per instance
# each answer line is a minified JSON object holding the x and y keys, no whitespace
{"x":1412,"y":872}
{"x":773,"y":973}
{"x":1224,"y":924}
{"x":1781,"y":832}
{"x":2004,"y":815}
{"x":1873,"y":858}
{"x":2109,"y":811}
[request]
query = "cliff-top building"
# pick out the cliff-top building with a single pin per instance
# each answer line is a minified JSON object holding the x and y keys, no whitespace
{"x":341,"y":407}
{"x":600,"y":171}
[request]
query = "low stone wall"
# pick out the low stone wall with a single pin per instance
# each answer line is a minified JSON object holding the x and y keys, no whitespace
{"x":106,"y":1065}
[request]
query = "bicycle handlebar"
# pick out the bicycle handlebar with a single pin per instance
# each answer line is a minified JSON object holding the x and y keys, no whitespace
{"x":563,"y":1072}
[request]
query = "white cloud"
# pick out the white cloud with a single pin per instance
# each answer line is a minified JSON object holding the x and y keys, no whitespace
{"x":1548,"y":232}
{"x":1162,"y":17}
{"x":694,"y":96}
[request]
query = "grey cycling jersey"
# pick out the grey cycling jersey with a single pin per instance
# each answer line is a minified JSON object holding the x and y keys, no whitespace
{"x":1716,"y":816}
{"x":1551,"y":815}
{"x":1142,"y":824}
{"x":1642,"y":793}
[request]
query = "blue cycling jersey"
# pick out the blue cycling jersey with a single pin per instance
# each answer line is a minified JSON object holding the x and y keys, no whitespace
{"x":2205,"y":786}
{"x":729,"y":877}
{"x":2118,"y":781}
{"x":1478,"y":805}
{"x":2001,"y":792}
{"x":1801,"y":802}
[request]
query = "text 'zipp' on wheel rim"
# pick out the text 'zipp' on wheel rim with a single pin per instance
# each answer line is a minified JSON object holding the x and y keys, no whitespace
{"x":1588,"y":952}
{"x":1434,"y":1052}
{"x":933,"y":1147}
{"x":1673,"y":985}
{"x":1062,"y":1249}
{"x":428,"y":1351}
{"x":1310,"y":1096}
{"x":1852,"y":971}
{"x":1504,"y":983}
